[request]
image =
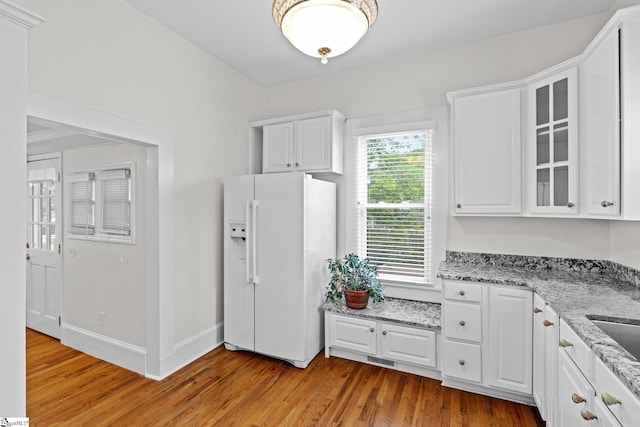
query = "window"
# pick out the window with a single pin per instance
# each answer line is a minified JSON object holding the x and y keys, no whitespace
{"x":393,"y":191}
{"x":101,"y":204}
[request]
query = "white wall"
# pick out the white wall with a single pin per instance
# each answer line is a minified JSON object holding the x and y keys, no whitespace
{"x":108,"y":277}
{"x":13,"y":226}
{"x":108,"y":56}
{"x":422,"y":81}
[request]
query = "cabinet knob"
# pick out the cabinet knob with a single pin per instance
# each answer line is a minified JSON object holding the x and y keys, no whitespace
{"x":570,"y":205}
{"x":588,"y":415}
{"x":462,"y":323}
{"x":577,"y":398}
{"x":372,"y":330}
{"x":462,"y":293}
{"x":461,"y":362}
{"x":610,"y":400}
{"x":564,"y":343}
{"x":536,"y":310}
{"x":546,"y":322}
{"x":28,"y":257}
{"x":384,"y":332}
{"x":458,"y":206}
{"x":606,"y":204}
{"x":297,"y":164}
{"x":288,"y":165}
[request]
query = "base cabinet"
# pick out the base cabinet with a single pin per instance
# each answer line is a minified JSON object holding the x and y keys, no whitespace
{"x":487,"y":339}
{"x":390,"y":344}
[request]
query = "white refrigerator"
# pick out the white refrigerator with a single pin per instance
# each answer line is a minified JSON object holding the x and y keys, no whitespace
{"x":279,"y":229}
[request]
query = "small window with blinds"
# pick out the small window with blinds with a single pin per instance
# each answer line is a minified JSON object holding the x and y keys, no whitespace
{"x":101,"y":204}
{"x":394,"y":204}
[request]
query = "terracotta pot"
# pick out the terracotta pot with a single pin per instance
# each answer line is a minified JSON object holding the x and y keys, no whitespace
{"x":356,"y":299}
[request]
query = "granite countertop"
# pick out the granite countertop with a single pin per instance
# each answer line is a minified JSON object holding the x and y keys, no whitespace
{"x":414,"y":313}
{"x":576,"y":296}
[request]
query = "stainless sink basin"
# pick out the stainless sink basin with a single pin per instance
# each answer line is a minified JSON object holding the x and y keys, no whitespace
{"x":628,"y":336}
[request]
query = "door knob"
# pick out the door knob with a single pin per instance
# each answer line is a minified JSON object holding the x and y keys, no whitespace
{"x":28,"y":257}
{"x":606,"y":204}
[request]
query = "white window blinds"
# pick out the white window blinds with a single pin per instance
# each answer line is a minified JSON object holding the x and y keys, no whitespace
{"x":394,"y":204}
{"x":116,"y":201}
{"x":102,"y":204}
{"x":82,"y":203}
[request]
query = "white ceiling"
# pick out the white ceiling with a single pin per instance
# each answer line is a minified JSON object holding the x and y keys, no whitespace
{"x":242,"y":34}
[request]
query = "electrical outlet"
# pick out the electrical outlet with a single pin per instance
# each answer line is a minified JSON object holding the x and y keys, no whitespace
{"x":103,"y":318}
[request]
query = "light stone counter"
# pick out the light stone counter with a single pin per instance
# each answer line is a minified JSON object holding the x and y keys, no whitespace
{"x":414,"y":313}
{"x":576,"y":289}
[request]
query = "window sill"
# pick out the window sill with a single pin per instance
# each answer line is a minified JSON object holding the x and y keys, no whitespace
{"x":128,"y":240}
{"x":416,"y":291}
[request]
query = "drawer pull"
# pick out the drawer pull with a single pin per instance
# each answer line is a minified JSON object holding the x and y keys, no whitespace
{"x":610,"y":400}
{"x":384,"y":332}
{"x":547,"y":323}
{"x":587,"y":415}
{"x":606,"y":204}
{"x":372,"y":330}
{"x":536,"y":310}
{"x":461,"y":362}
{"x":462,"y":323}
{"x":462,"y":293}
{"x":577,"y":398}
{"x":564,"y":343}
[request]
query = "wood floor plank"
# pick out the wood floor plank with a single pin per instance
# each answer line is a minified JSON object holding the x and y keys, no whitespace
{"x":224,"y":388}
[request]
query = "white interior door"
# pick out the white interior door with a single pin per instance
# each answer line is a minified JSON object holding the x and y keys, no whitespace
{"x":44,"y":252}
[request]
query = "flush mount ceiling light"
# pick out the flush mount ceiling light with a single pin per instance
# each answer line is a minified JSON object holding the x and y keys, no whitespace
{"x":324,"y":28}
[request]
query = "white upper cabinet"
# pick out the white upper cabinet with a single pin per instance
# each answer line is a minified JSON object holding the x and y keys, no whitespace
{"x":580,"y":143}
{"x":600,"y":129}
{"x":630,"y":105}
{"x":277,"y":154}
{"x":309,"y":143}
{"x":552,"y":139}
{"x":487,"y":146}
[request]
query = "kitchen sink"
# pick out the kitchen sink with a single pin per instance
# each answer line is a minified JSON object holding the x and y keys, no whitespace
{"x":628,"y":336}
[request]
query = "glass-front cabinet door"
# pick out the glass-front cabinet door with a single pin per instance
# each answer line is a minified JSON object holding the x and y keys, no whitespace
{"x":553,"y":144}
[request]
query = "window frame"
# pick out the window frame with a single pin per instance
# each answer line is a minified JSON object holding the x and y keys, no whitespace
{"x":393,"y":123}
{"x":363,"y":204}
{"x":99,"y":234}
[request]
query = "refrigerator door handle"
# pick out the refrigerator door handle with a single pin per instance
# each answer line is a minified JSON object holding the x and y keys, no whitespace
{"x":254,"y":243}
{"x":249,"y":242}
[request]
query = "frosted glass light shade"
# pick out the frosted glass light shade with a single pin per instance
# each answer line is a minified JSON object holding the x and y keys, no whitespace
{"x":324,"y":28}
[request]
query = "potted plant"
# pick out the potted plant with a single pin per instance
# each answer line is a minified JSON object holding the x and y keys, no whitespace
{"x":354,"y":278}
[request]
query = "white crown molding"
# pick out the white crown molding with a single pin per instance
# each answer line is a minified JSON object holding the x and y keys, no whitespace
{"x":19,"y":16}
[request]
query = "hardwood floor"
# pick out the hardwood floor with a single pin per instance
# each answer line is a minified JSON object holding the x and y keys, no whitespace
{"x":69,"y":388}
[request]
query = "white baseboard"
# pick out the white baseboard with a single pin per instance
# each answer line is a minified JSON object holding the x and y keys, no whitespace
{"x":119,"y":353}
{"x":190,"y":349}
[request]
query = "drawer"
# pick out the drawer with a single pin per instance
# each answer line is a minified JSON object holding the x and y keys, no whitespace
{"x":628,"y":410}
{"x":407,"y":344}
{"x":461,"y":321}
{"x":463,"y":291}
{"x":462,"y":360}
{"x":575,"y":348}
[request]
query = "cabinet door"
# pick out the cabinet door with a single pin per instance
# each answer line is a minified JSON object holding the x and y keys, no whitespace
{"x":487,"y":153}
{"x":406,"y":344}
{"x":313,"y":144}
{"x":352,"y":333}
{"x":539,"y":359}
{"x":551,"y":338}
{"x":600,"y":129}
{"x":277,"y":148}
{"x":510,"y":339}
{"x":553,"y":145}
{"x":574,"y":395}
